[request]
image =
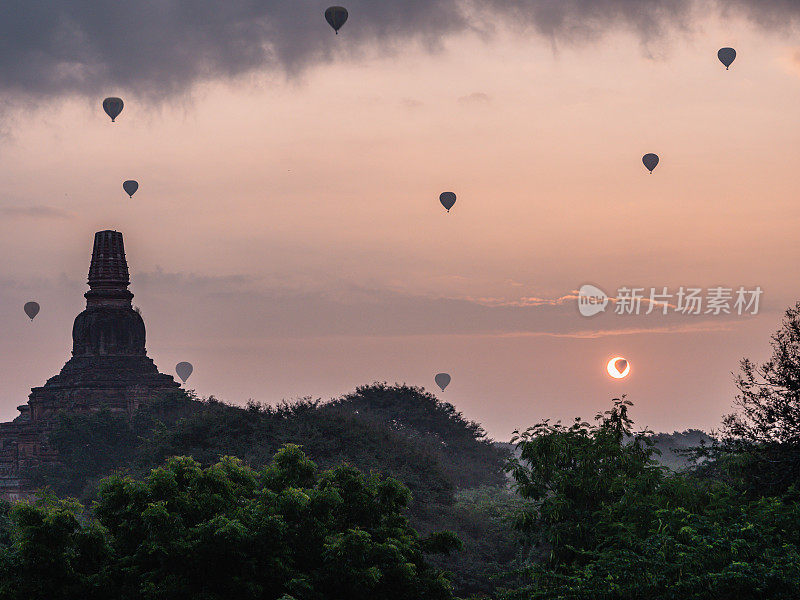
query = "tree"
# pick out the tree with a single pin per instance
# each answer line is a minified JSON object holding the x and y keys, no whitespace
{"x":466,"y":455}
{"x":616,"y":526}
{"x":762,"y":439}
{"x":53,"y":553}
{"x":88,"y":445}
{"x":572,"y":473}
{"x":227,"y":531}
{"x":483,"y":519}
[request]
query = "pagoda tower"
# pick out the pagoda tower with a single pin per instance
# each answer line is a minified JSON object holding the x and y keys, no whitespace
{"x":109,"y":368}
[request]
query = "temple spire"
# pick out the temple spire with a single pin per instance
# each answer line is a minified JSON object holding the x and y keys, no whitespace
{"x":108,"y":272}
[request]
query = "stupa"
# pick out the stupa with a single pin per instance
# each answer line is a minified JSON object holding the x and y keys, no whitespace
{"x":109,"y":368}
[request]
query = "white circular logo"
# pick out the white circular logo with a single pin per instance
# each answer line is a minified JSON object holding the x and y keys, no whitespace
{"x":591,"y":300}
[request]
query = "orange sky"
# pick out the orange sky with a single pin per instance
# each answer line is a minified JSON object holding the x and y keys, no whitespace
{"x":287,"y":239}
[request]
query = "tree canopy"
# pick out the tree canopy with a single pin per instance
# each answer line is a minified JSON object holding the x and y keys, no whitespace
{"x":613,"y":524}
{"x":397,"y":430}
{"x":761,"y":445}
{"x":287,"y":530}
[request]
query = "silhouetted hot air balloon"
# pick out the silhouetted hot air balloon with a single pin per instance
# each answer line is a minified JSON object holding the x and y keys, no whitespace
{"x":448,"y":199}
{"x":113,"y":106}
{"x":31,"y":309}
{"x":618,"y":367}
{"x":650,"y":161}
{"x":726,"y":56}
{"x":130,"y":187}
{"x":336,"y":17}
{"x":442,"y":380}
{"x":184,"y":369}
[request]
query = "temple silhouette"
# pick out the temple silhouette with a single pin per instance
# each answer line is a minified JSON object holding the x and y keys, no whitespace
{"x":109,"y":369}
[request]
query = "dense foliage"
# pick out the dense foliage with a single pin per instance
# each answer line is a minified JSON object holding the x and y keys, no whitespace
{"x":483,"y":519}
{"x":615,"y":524}
{"x":467,"y":458}
{"x":398,"y":431}
{"x":226,"y":531}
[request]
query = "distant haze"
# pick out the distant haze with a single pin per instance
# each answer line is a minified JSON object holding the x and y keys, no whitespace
{"x":287,"y":238}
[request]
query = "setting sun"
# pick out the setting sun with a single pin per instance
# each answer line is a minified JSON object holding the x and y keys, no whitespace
{"x":618,"y":367}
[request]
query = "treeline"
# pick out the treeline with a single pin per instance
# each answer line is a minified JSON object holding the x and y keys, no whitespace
{"x":398,"y":430}
{"x":454,"y":472}
{"x":591,"y":512}
{"x":675,"y":450}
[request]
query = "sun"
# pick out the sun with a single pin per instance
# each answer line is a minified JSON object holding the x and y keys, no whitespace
{"x":615,"y":364}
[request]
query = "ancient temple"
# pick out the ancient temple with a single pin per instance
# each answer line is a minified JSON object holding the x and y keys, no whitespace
{"x":109,"y":368}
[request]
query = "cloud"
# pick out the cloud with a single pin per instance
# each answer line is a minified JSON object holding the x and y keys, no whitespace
{"x":191,"y":283}
{"x":701,"y":327}
{"x":240,"y":308}
{"x":475,"y":98}
{"x":411,"y":103}
{"x":34,"y":212}
{"x":158,"y":48}
{"x":770,"y":14}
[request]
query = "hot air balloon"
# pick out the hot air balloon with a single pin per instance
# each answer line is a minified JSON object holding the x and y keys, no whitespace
{"x":618,"y":367}
{"x":650,"y":161}
{"x":31,"y":309}
{"x":336,"y":17}
{"x":726,"y":56}
{"x":113,"y":106}
{"x":130,"y":187}
{"x":448,"y":199}
{"x":184,"y":369}
{"x":442,"y":380}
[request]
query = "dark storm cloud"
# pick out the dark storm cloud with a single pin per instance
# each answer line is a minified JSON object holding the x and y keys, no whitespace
{"x":773,"y":14}
{"x":159,"y":47}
